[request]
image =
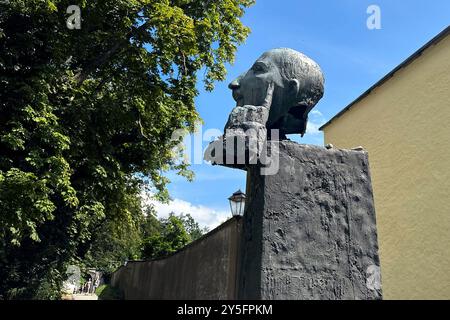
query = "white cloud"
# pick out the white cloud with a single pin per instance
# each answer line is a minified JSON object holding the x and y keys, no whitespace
{"x":316,"y":121}
{"x":316,"y":113}
{"x":313,"y":127}
{"x":205,"y":216}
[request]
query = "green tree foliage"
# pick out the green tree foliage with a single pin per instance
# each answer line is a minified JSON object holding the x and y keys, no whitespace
{"x":151,"y":225}
{"x":172,"y":234}
{"x":86,"y":118}
{"x":192,"y":227}
{"x":113,"y":243}
{"x":146,"y":239}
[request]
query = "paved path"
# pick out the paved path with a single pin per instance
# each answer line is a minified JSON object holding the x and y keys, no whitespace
{"x":84,"y":297}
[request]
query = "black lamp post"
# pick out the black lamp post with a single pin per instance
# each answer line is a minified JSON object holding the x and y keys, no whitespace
{"x":237,"y":203}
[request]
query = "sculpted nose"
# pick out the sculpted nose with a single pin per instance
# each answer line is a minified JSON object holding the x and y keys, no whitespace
{"x":234,"y":84}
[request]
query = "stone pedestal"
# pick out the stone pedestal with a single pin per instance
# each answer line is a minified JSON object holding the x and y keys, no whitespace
{"x":310,"y":230}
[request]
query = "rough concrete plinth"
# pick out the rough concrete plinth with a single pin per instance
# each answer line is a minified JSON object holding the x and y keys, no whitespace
{"x":310,"y":230}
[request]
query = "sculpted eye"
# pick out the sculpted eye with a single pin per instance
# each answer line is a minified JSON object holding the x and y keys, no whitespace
{"x":258,"y":68}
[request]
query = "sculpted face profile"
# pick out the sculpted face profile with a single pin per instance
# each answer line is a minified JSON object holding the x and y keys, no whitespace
{"x":287,"y":83}
{"x":273,"y":99}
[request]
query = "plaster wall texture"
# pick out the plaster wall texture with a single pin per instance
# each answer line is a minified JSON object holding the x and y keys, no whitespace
{"x":404,"y":124}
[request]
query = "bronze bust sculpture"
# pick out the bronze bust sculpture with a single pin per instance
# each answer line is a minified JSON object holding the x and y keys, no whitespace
{"x":276,"y":93}
{"x":285,"y":82}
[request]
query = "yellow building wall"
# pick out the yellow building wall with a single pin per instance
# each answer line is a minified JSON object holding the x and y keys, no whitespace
{"x":405,"y":126}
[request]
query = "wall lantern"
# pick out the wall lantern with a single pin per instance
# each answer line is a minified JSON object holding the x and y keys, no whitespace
{"x":237,"y":203}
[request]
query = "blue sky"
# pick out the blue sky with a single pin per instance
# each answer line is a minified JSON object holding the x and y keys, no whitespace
{"x":334,"y":34}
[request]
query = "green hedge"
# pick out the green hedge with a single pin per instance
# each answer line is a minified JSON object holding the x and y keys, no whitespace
{"x":107,"y":292}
